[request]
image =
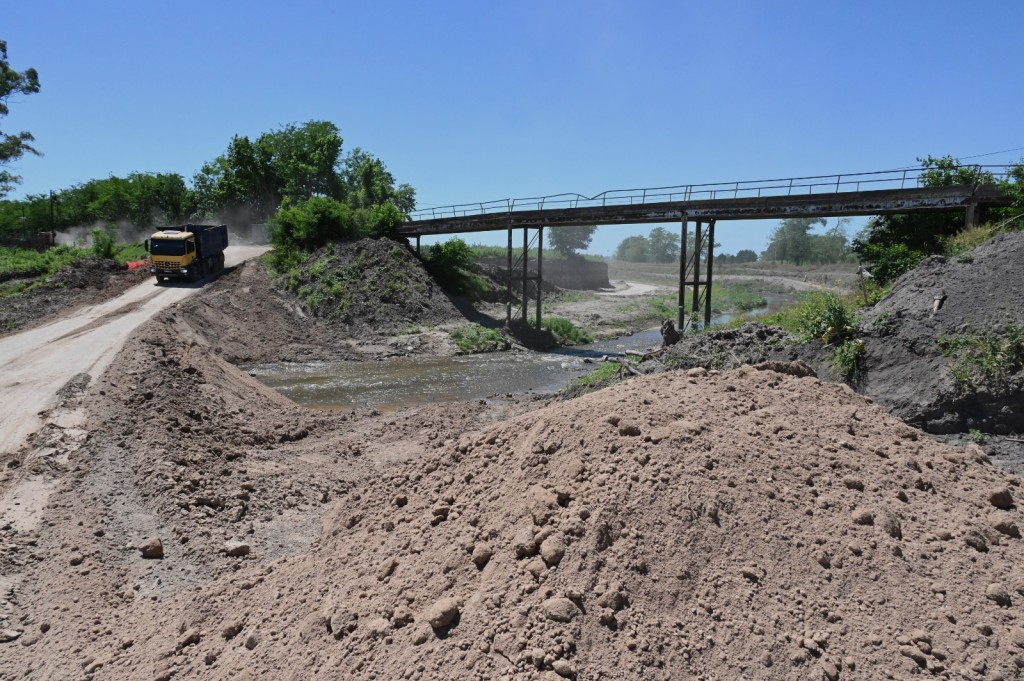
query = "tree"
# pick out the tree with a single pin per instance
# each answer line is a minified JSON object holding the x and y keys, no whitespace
{"x":790,"y":242}
{"x":746,"y":255}
{"x":568,"y":240}
{"x":893,"y":244}
{"x":664,"y":245}
{"x":13,"y":146}
{"x":634,"y":249}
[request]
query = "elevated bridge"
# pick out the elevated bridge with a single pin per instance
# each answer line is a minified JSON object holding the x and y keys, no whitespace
{"x":874,"y":193}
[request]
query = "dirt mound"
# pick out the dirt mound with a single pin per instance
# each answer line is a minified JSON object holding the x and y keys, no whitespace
{"x":85,"y":282}
{"x":250,"y":316}
{"x":904,"y":365}
{"x":751,"y":524}
{"x":370,"y":286}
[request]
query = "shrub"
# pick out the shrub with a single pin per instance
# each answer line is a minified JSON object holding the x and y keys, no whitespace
{"x":886,"y":263}
{"x":451,"y":264}
{"x":984,"y":359}
{"x":476,"y":338}
{"x":565,"y":332}
{"x":968,"y":239}
{"x":104,"y":243}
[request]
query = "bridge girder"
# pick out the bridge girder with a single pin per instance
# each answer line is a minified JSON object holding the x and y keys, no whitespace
{"x":880,"y":202}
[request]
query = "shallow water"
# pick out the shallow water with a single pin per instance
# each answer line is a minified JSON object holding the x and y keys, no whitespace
{"x":408,"y":381}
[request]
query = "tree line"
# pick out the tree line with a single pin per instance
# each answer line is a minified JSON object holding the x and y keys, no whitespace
{"x":662,"y":246}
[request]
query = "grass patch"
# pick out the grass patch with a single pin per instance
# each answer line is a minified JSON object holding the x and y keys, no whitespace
{"x":736,"y":298}
{"x":603,"y":375}
{"x":475,"y":338}
{"x":565,"y":332}
{"x":984,"y":359}
{"x":23,"y":263}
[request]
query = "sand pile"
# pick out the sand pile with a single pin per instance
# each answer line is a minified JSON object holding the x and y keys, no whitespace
{"x":751,"y":524}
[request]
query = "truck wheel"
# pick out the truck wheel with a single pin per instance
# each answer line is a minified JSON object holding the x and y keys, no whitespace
{"x":220,"y":261}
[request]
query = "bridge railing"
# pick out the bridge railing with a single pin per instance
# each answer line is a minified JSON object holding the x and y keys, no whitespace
{"x":904,"y":178}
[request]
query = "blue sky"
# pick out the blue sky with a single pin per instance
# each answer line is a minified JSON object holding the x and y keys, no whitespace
{"x":472,"y":101}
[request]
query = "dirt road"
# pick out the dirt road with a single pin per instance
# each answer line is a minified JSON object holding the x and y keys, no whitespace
{"x":35,"y":364}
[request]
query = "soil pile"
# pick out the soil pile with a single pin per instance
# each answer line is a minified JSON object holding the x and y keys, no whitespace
{"x":370,"y":286}
{"x":350,"y":300}
{"x":751,"y":524}
{"x":904,"y":366}
{"x":87,"y":281}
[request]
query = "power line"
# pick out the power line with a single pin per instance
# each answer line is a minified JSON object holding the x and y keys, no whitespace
{"x":993,"y":153}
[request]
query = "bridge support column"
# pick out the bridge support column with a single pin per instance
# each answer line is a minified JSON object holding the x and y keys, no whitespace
{"x":417,"y":244}
{"x":698,"y":226}
{"x":540,"y":269}
{"x":526,"y":272}
{"x":711,"y":268}
{"x":681,"y":311}
{"x":508,"y":298}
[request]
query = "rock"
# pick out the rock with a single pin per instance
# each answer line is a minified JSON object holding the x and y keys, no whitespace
{"x":863,"y":516}
{"x":236,"y":548}
{"x":829,"y":670}
{"x":442,"y":613}
{"x":998,"y":594}
{"x":386,"y":568}
{"x":377,"y":628}
{"x":523,"y":543}
{"x":343,"y":623}
{"x":914,"y":654}
{"x":231,"y":630}
{"x":976,"y":540}
{"x":482,"y":554}
{"x":563,"y":668}
{"x":552,"y":549}
{"x":251,"y":641}
{"x":560,"y":609}
{"x":8,"y":635}
{"x":890,"y":524}
{"x":189,"y":638}
{"x":1004,"y":524}
{"x":152,"y":548}
{"x":1001,"y":498}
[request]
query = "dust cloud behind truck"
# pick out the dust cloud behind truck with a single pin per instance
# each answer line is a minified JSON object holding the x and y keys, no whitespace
{"x":187,"y":252}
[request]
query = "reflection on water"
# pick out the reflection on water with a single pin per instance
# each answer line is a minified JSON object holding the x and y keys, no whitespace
{"x":407,"y":381}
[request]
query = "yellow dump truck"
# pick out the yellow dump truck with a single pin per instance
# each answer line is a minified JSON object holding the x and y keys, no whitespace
{"x":187,"y":251}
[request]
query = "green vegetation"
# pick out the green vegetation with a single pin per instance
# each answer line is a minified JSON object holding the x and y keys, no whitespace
{"x":568,"y":240}
{"x":792,"y":242}
{"x":598,"y":378}
{"x":660,"y":246}
{"x":329,"y":287}
{"x":893,"y":244}
{"x":977,"y":437}
{"x":565,"y":332}
{"x":22,"y":263}
{"x":985,"y":359}
{"x":451,"y":264}
{"x":476,"y":338}
{"x":481,"y":251}
{"x":724,"y":298}
{"x":13,"y":147}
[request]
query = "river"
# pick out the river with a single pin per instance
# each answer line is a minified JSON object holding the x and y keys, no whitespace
{"x":400,"y":382}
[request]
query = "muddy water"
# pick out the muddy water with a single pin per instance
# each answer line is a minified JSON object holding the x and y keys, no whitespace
{"x":407,"y":381}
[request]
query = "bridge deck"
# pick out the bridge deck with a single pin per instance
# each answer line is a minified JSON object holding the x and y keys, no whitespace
{"x":876,"y":202}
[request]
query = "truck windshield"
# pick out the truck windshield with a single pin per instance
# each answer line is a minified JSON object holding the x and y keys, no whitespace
{"x":166,"y":247}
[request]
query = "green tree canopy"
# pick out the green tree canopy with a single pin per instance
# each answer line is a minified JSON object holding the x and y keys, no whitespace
{"x":664,"y":245}
{"x":569,"y":240}
{"x":790,"y":242}
{"x":892,"y":244}
{"x":634,"y":249}
{"x":13,"y":145}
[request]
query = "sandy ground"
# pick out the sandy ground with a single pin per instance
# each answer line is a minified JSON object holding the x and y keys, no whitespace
{"x":35,"y":364}
{"x":757,"y":523}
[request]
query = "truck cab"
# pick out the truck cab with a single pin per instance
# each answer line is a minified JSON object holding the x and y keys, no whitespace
{"x":186,"y":252}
